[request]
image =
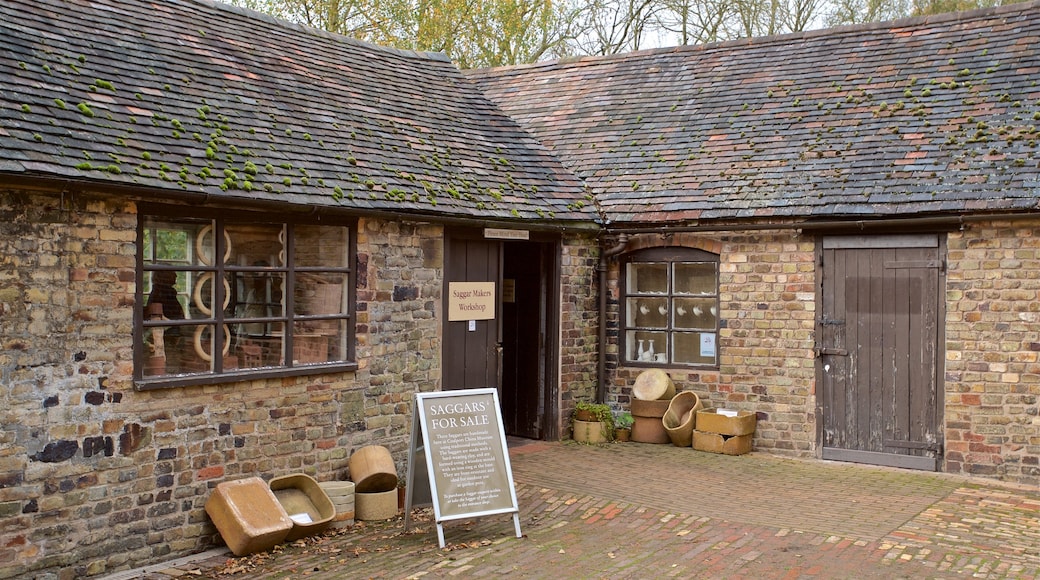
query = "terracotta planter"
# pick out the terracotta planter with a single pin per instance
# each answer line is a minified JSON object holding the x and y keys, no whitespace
{"x":583,"y":415}
{"x":622,"y":435}
{"x":648,"y":427}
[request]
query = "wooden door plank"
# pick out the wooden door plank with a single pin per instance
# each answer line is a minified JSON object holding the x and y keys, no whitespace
{"x":873,"y":387}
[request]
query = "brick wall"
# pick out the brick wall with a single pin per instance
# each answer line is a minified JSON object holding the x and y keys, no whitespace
{"x":579,"y":325}
{"x":95,"y":476}
{"x":767,"y":305}
{"x":992,"y":345}
{"x":767,"y":295}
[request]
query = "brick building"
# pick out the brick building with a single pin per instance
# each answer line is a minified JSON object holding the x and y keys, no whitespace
{"x":771,"y":234}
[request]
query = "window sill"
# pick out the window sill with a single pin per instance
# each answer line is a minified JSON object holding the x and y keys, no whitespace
{"x":175,"y":381}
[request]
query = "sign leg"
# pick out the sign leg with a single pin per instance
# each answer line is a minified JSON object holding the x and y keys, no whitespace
{"x":440,"y":535}
{"x":516,"y":523}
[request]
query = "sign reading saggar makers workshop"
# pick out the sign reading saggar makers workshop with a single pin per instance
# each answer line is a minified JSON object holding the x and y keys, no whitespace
{"x":471,"y":301}
{"x":467,"y":460}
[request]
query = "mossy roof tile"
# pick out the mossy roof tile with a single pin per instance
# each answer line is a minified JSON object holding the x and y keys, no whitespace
{"x":919,"y":116}
{"x":150,"y":94}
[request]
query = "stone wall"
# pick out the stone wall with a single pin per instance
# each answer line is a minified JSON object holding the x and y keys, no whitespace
{"x":767,"y":305}
{"x":992,"y":346}
{"x":95,"y":476}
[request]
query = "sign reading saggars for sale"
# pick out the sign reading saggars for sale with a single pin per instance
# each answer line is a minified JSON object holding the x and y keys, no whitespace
{"x":466,"y":457}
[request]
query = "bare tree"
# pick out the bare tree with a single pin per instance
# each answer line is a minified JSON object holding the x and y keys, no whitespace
{"x":613,"y":26}
{"x":694,"y":21}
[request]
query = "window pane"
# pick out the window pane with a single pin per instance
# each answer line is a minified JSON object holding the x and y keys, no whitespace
{"x":647,"y":312}
{"x":694,"y":347}
{"x":197,"y":348}
{"x":257,"y":295}
{"x":321,"y":247}
{"x":320,"y":293}
{"x":262,"y":347}
{"x":163,"y":348}
{"x":166,"y":295}
{"x":645,"y":346}
{"x":647,"y":278}
{"x":695,"y":278}
{"x":204,"y":245}
{"x":173,"y":241}
{"x":310,"y":347}
{"x":256,"y":245}
{"x":698,"y":313}
{"x":203,"y":294}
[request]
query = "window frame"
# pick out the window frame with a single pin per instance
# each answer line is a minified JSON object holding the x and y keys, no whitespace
{"x":670,"y":256}
{"x":288,"y":318}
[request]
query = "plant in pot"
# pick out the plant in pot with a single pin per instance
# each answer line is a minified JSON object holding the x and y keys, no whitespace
{"x":592,"y":422}
{"x":623,"y":426}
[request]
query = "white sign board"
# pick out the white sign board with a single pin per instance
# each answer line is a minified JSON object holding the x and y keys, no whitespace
{"x":467,"y":460}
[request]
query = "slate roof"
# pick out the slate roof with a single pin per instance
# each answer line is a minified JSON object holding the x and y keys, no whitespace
{"x":909,"y":118}
{"x":194,"y":96}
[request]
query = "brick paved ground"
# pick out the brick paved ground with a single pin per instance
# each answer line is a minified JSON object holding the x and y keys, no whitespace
{"x":655,"y":511}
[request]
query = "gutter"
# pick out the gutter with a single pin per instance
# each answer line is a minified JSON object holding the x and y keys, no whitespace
{"x":601,"y":267}
{"x":148,"y":196}
{"x":954,"y":221}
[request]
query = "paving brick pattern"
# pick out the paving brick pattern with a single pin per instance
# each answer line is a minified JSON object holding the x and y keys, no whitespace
{"x":656,"y":511}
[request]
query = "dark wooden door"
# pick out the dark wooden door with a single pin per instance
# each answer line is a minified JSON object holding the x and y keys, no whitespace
{"x":471,"y":348}
{"x":524,"y":337}
{"x":878,"y":344}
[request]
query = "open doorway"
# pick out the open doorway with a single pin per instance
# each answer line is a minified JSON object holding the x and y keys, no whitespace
{"x":516,"y":352}
{"x":529,"y":323}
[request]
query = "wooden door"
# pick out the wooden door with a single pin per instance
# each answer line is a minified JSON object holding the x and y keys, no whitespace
{"x":878,"y":350}
{"x":471,"y":348}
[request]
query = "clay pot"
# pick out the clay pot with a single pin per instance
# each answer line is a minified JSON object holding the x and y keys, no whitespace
{"x":681,"y":417}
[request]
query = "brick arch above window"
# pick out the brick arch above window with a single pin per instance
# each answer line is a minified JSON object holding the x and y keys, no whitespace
{"x":681,"y":240}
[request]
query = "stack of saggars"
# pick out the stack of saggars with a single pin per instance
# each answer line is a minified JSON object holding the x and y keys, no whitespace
{"x":726,"y":431}
{"x":374,"y":475}
{"x":651,"y":393}
{"x":341,"y":493}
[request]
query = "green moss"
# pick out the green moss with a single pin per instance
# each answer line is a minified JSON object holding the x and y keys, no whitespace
{"x":85,"y":109}
{"x":104,"y":85}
